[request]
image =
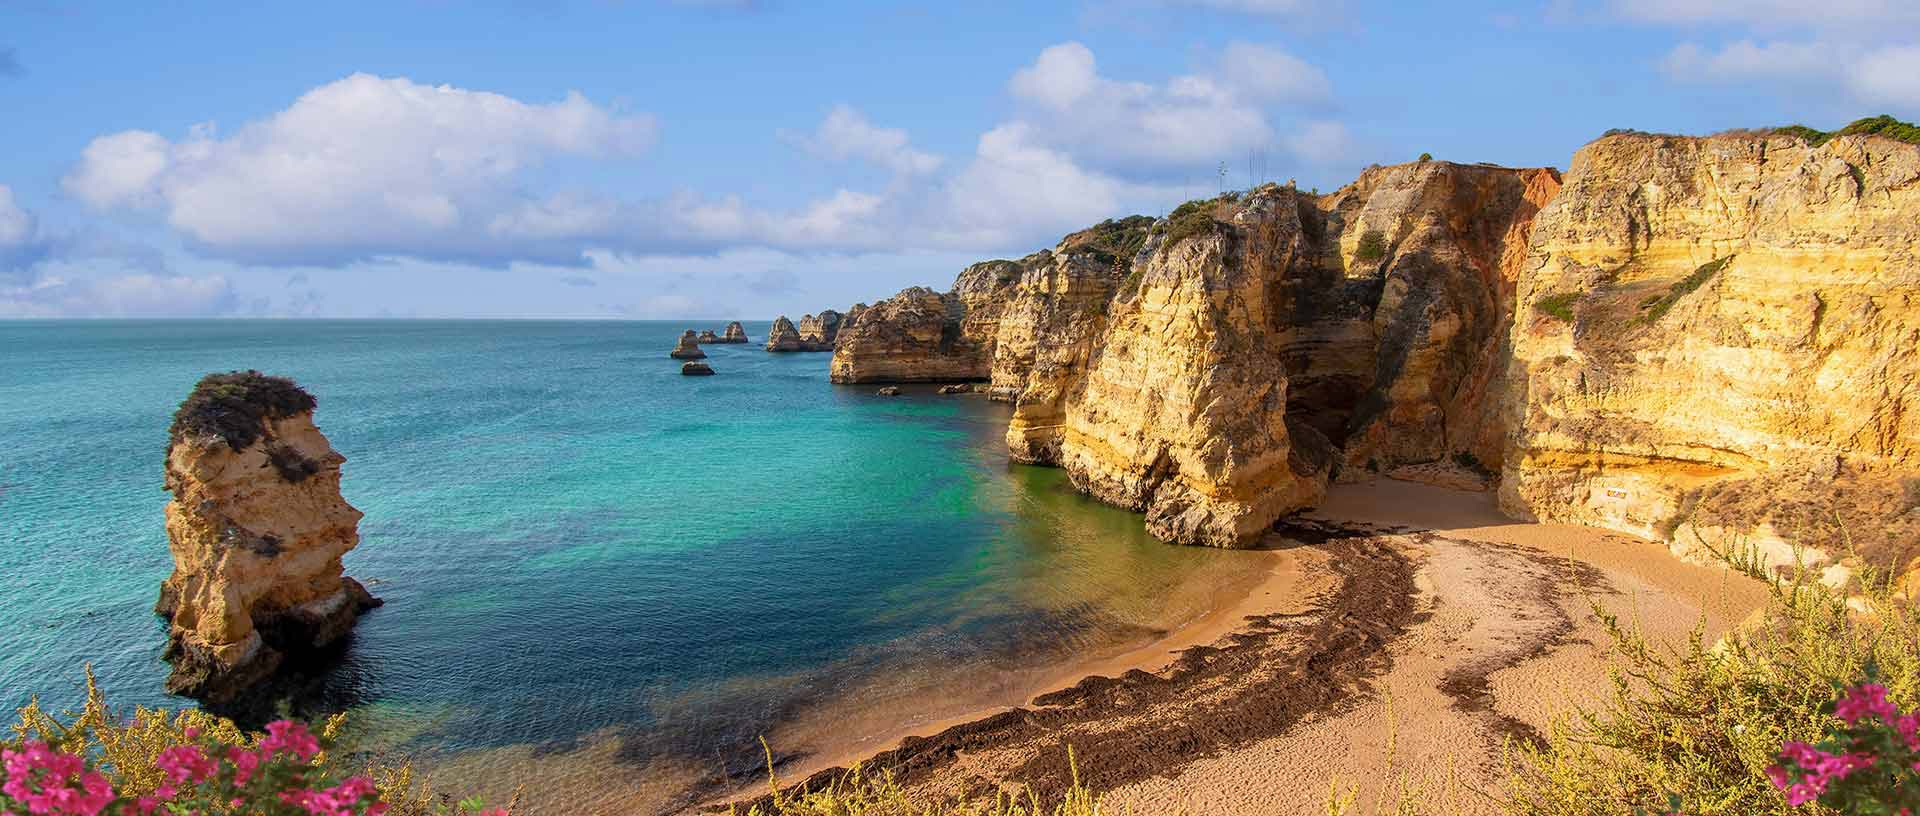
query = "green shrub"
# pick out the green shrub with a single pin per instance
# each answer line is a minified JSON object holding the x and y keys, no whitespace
{"x":1426,"y":157}
{"x":1188,"y":220}
{"x":1656,"y":306}
{"x":233,"y":405}
{"x":1705,"y":721}
{"x":1372,"y":247}
{"x":1882,"y":125}
{"x":1558,"y":306}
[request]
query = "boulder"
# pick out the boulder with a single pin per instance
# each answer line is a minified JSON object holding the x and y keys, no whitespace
{"x":695,"y":368}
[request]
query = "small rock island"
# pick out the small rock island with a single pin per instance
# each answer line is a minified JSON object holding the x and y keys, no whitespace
{"x":688,"y":348}
{"x":257,"y":527}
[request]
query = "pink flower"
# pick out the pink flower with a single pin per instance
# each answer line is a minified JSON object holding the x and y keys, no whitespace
{"x":244,"y":764}
{"x":291,"y":737}
{"x":1863,"y":700}
{"x":186,"y":764}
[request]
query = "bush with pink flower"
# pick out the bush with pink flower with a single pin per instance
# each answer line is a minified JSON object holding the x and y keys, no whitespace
{"x":1868,"y":765}
{"x":279,"y":773}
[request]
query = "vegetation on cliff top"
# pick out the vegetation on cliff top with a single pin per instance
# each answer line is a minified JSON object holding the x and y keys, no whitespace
{"x":1115,"y":241}
{"x":233,"y":405}
{"x":1193,"y":218}
{"x":1882,"y":125}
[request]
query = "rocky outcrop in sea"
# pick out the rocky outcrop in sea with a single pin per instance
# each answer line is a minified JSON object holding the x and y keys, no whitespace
{"x":257,"y":527}
{"x":707,"y":336}
{"x":695,"y":368}
{"x":783,"y":336}
{"x":688,"y":347}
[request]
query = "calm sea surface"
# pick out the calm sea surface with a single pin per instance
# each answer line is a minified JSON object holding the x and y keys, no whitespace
{"x":588,"y":559}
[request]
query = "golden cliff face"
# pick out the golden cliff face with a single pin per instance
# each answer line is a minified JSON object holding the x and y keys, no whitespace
{"x":920,"y":335}
{"x":257,"y":527}
{"x":1712,"y":332}
{"x":1183,"y":410}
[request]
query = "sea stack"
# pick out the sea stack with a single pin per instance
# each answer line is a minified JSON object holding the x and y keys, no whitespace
{"x":708,"y":337}
{"x":820,"y":332}
{"x":734,"y":333}
{"x":257,"y":527}
{"x":783,"y":337}
{"x":688,"y":348}
{"x":695,"y":368}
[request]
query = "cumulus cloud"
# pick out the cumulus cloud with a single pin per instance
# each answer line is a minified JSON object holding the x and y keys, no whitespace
{"x":1145,"y":128}
{"x":364,"y":167}
{"x":22,"y":245}
{"x":1885,"y":75}
{"x":846,"y":134}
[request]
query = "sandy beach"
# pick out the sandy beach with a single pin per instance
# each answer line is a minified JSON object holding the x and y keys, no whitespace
{"x":1404,"y":634}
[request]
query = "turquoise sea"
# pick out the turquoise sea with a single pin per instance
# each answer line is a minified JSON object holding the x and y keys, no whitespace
{"x":591,"y":564}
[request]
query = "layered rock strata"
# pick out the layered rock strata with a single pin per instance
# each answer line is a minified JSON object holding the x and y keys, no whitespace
{"x":1719,"y":345}
{"x":688,"y":347}
{"x":257,"y":527}
{"x":920,"y":335}
{"x":818,"y":332}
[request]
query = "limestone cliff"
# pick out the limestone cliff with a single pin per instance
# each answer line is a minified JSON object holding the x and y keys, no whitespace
{"x":920,"y":335}
{"x":818,"y":332}
{"x":1714,"y":334}
{"x":257,"y":527}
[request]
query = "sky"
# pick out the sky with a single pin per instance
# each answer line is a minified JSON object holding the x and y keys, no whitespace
{"x":738,"y":159}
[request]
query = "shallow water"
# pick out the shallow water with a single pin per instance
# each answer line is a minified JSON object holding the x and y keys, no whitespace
{"x":583,"y":553}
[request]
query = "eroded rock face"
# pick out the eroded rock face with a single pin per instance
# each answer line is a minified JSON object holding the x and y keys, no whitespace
{"x":734,"y":334}
{"x":818,"y":332}
{"x":1739,"y":322}
{"x":1183,"y":412}
{"x":688,"y":347}
{"x":707,"y":336}
{"x":920,"y":335}
{"x":783,"y":336}
{"x":257,"y":527}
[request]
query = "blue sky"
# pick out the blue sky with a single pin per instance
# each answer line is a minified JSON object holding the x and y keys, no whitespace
{"x":715,"y":159}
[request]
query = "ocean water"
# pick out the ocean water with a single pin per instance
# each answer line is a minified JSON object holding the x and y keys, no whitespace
{"x":589,"y":561}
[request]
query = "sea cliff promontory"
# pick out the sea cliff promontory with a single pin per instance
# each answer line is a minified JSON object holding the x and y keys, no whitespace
{"x":257,"y":527}
{"x":1692,"y":339}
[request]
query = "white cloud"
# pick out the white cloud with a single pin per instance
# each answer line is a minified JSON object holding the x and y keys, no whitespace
{"x":846,"y":134}
{"x":1889,"y":76}
{"x":1269,"y":73}
{"x":1770,"y":13}
{"x":1323,"y":141}
{"x":1885,"y":75}
{"x":16,"y":224}
{"x":1142,"y":128}
{"x":140,"y":295}
{"x":361,"y":167}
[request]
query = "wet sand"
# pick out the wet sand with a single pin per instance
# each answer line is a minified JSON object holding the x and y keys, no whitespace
{"x":1411,"y":632}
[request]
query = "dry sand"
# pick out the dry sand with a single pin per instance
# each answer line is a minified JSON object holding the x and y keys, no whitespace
{"x":1508,"y":641}
{"x":1406,"y":632}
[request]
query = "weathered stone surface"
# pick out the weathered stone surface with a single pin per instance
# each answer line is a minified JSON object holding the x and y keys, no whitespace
{"x":888,"y":391}
{"x":695,"y":368}
{"x":818,"y":332}
{"x":920,"y":335}
{"x":1048,"y":331}
{"x":688,"y":347}
{"x":783,"y":336}
{"x":707,"y":336}
{"x":734,"y":334}
{"x":1745,"y":326}
{"x":1183,"y":412}
{"x":257,"y":527}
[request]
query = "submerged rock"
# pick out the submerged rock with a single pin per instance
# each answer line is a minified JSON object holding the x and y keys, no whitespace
{"x":257,"y":527}
{"x":958,"y":388}
{"x":695,"y":368}
{"x":889,"y":391}
{"x":688,"y":348}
